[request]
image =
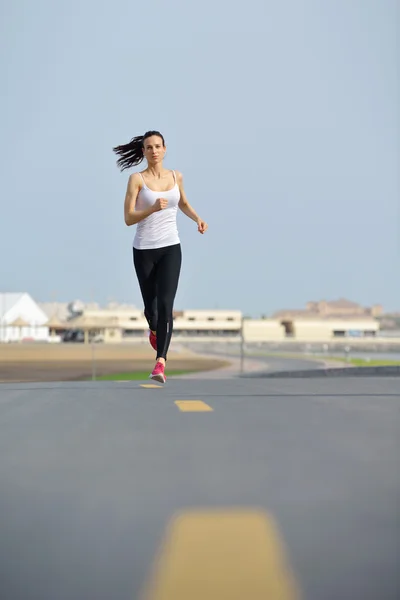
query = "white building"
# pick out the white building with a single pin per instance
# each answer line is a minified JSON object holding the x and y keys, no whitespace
{"x":21,"y":319}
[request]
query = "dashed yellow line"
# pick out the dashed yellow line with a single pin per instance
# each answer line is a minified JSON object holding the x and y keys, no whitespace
{"x":193,"y":406}
{"x":150,"y":385}
{"x":222,"y":555}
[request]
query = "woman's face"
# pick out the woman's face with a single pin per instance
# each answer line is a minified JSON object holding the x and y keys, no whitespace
{"x":154,"y":149}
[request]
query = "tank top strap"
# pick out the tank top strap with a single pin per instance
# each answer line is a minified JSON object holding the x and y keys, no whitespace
{"x":173,"y":173}
{"x":142,"y":178}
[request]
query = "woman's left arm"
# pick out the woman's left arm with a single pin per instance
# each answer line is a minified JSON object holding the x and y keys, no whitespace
{"x":187,"y":209}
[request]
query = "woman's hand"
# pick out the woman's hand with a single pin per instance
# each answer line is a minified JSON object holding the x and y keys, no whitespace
{"x":201,"y":226}
{"x":160,"y":204}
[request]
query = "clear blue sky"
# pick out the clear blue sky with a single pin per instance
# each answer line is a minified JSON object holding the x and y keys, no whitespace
{"x":282,"y":116}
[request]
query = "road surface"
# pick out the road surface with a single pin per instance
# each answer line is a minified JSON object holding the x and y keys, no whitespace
{"x":231,"y":489}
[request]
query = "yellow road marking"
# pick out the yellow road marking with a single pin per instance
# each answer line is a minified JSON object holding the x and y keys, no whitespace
{"x":193,"y":406}
{"x":222,"y":555}
{"x":150,"y":385}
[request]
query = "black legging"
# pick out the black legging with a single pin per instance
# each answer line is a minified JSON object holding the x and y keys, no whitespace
{"x":158,"y":272}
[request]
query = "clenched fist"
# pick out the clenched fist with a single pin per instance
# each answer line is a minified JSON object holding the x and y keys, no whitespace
{"x":160,"y":204}
{"x":201,"y":226}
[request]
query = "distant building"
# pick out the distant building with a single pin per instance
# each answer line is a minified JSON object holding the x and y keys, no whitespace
{"x":326,"y":320}
{"x":390,"y":323}
{"x":122,"y":324}
{"x":65,"y":310}
{"x":331,"y":308}
{"x":21,"y":319}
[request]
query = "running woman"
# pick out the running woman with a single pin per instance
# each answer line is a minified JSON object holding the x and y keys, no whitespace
{"x":152,"y":199}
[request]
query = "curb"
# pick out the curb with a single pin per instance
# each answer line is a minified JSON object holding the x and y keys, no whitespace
{"x":383,"y":371}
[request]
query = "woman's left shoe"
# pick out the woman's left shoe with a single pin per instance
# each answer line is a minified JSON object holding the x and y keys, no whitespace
{"x":158,"y":373}
{"x":153,"y":340}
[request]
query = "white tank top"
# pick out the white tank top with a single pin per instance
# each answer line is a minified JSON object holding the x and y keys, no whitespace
{"x":158,"y":229}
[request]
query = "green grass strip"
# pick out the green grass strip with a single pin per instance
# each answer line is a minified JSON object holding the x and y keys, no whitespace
{"x":135,"y":375}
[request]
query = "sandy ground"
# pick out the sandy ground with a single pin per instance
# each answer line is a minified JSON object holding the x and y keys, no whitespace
{"x":68,"y":362}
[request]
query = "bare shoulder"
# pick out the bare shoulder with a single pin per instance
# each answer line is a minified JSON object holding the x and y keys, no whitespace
{"x":135,"y":176}
{"x":134,"y":180}
{"x":179,"y":177}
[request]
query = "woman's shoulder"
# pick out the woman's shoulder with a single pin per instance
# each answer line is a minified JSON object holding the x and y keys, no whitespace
{"x":135,"y":182}
{"x":137,"y":174}
{"x":136,"y":178}
{"x":178,"y":175}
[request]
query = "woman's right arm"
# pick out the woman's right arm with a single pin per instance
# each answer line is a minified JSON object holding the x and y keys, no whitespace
{"x":131,"y":215}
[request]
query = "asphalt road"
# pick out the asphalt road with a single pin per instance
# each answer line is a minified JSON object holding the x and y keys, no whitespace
{"x":276,"y":363}
{"x":268,"y":362}
{"x":280,"y":485}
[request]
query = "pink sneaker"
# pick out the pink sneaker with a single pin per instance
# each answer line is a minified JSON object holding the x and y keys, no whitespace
{"x":153,"y":340}
{"x":158,"y":373}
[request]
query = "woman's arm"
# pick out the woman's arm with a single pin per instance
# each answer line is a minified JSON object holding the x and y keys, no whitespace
{"x":187,"y":209}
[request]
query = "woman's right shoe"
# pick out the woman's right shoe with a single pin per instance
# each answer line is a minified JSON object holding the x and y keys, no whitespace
{"x":158,"y":373}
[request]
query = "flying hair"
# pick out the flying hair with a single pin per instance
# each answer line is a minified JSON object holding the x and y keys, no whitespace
{"x":131,"y":154}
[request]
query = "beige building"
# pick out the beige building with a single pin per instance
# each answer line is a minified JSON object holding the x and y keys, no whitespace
{"x":330,"y":328}
{"x":263,"y":330}
{"x":117,"y":323}
{"x":124,"y":325}
{"x":331,"y":308}
{"x":129,"y":325}
{"x":303,"y":329}
{"x":206,"y":323}
{"x":329,"y":320}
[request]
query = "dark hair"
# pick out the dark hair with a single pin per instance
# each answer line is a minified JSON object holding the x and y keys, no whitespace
{"x":131,"y":154}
